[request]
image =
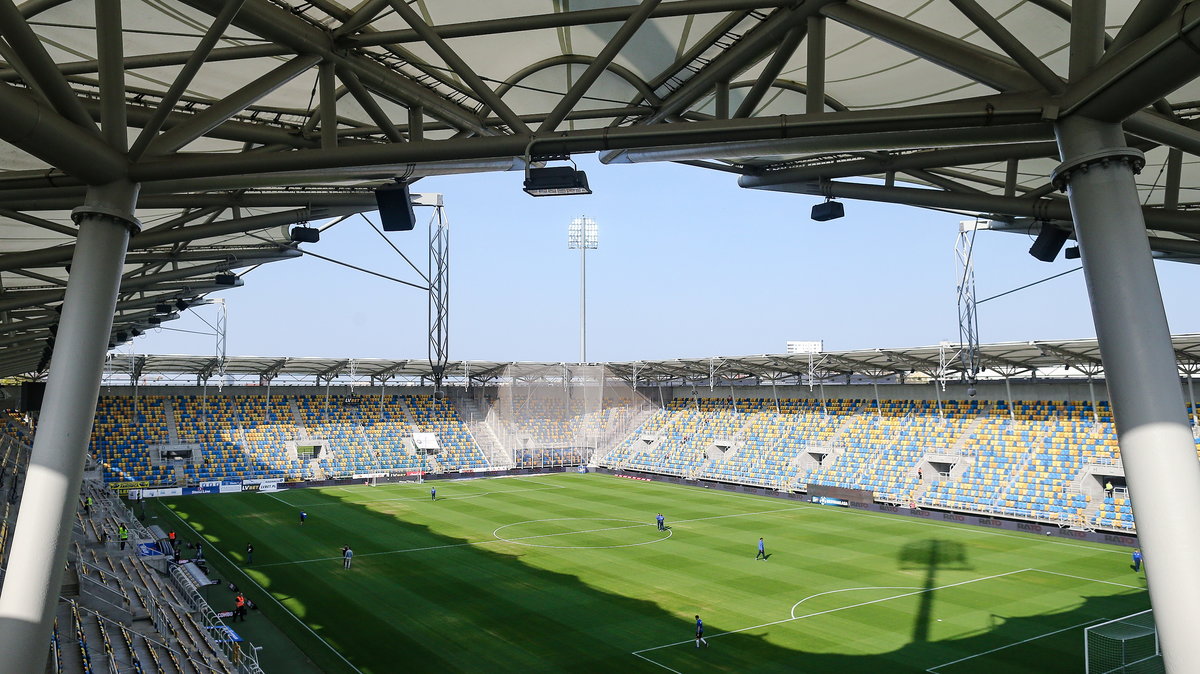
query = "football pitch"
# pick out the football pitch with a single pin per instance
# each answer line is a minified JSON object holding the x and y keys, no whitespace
{"x":568,"y":573}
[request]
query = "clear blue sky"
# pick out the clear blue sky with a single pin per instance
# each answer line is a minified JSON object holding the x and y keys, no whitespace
{"x":689,"y":265}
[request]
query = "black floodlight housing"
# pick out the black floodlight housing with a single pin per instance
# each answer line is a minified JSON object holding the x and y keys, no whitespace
{"x":136,"y":332}
{"x":555,"y":181}
{"x":180,"y":304}
{"x":154,"y":320}
{"x":1071,"y":253}
{"x":226,"y":279}
{"x":829,"y":210}
{"x":302,"y":234}
{"x":162,"y":308}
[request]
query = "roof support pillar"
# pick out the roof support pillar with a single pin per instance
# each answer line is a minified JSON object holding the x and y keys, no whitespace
{"x":1135,"y":343}
{"x":43,"y":528}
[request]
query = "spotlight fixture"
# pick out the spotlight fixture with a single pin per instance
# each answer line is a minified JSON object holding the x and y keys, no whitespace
{"x":302,"y":234}
{"x":225,"y":279}
{"x":555,"y":181}
{"x":1071,"y":253}
{"x":180,"y":304}
{"x":162,"y":308}
{"x":136,"y":332}
{"x":154,"y":321}
{"x":829,"y":210}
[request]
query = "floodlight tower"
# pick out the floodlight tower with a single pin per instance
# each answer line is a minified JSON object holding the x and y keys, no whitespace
{"x":584,"y":235}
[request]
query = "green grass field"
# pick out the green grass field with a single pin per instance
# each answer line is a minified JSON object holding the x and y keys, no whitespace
{"x":567,"y":573}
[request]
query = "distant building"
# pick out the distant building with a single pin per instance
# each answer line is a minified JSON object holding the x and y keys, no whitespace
{"x":806,"y":347}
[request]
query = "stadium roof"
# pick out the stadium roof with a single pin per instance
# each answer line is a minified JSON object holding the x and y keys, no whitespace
{"x":1058,"y":359}
{"x":241,"y":118}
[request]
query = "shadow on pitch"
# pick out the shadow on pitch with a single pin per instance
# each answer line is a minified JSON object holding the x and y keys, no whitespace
{"x":413,"y":612}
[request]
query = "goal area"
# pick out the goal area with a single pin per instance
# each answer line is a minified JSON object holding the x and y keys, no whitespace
{"x":1126,"y":645}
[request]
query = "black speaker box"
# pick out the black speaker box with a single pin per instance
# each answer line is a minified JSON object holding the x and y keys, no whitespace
{"x":1048,"y":242}
{"x":32,"y":393}
{"x":395,"y":208}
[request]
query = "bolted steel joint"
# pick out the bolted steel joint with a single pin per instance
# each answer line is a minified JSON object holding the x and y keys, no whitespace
{"x":1061,"y":176}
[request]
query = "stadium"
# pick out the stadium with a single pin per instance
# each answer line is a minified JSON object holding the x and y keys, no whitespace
{"x":969,"y":506}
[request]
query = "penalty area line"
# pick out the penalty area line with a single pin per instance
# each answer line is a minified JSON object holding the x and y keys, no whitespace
{"x":820,"y":613}
{"x":935,"y":668}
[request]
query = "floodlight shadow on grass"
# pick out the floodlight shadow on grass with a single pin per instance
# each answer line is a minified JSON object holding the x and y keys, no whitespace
{"x":459,"y":605}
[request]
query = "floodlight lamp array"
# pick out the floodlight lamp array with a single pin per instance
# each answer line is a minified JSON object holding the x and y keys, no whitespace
{"x":583,"y":232}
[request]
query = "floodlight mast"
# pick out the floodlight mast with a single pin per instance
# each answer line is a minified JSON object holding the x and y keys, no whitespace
{"x":584,"y":234}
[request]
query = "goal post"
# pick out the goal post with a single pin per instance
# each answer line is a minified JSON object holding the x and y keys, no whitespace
{"x":1126,"y":645}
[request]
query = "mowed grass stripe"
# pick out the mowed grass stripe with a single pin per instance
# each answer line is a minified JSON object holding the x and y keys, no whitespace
{"x":461,"y":601}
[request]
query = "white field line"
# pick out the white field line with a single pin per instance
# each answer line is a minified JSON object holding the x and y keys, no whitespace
{"x":517,"y":539}
{"x":971,"y":529}
{"x":1091,"y":580}
{"x":934,"y":669}
{"x":849,"y":589}
{"x":931,"y":670}
{"x":411,"y":498}
{"x":658,"y":663}
{"x":835,"y":610}
{"x":265,"y":592}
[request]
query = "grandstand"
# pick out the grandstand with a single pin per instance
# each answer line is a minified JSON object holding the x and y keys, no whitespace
{"x":1045,"y":461}
{"x":151,"y":157}
{"x":1035,"y":460}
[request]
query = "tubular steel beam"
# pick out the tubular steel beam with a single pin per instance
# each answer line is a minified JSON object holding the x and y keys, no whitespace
{"x":40,"y":65}
{"x":1010,"y":44}
{"x":196,"y":58}
{"x":327,"y":88}
{"x":902,"y":162}
{"x":277,"y":25}
{"x":41,"y":132}
{"x":459,"y":66}
{"x":584,"y":17}
{"x":783,"y":53}
{"x":110,"y":48}
{"x":814,"y":95}
{"x":42,"y":534}
{"x":368,"y":104}
{"x":1041,"y":209}
{"x":47,"y":257}
{"x":1150,"y":67}
{"x":597,"y":66}
{"x":165,"y":59}
{"x":968,"y":60}
{"x":220,"y":111}
{"x":1014,"y":118}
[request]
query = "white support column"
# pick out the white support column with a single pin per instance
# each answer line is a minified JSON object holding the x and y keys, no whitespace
{"x":1143,"y":382}
{"x":51,"y":493}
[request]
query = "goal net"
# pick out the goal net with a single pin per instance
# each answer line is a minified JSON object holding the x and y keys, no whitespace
{"x":563,"y":415}
{"x":1126,"y":645}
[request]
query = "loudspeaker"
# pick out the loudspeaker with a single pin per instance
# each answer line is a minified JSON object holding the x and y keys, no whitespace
{"x":1048,"y":242}
{"x":32,"y":393}
{"x":829,"y":210}
{"x":395,"y":207}
{"x":306,"y":235}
